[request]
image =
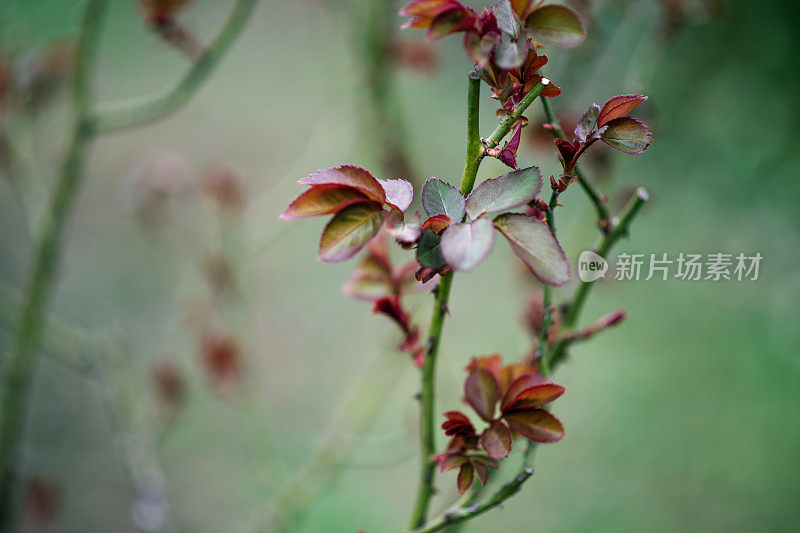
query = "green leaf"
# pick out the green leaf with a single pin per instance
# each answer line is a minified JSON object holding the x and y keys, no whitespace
{"x":537,"y":425}
{"x":558,"y":25}
{"x":322,"y":200}
{"x":428,"y":252}
{"x":627,"y":135}
{"x":481,"y":392}
{"x":464,"y":246}
{"x":496,"y":440}
{"x":534,"y":243}
{"x":349,"y":175}
{"x":504,"y":192}
{"x":440,"y":198}
{"x":349,"y":230}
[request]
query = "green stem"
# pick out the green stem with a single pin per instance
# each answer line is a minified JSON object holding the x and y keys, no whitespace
{"x":598,"y":199}
{"x":473,"y":160}
{"x":618,"y":230}
{"x":144,"y":110}
{"x":19,"y":366}
{"x":461,"y":513}
{"x":507,"y":123}
{"x":428,"y":392}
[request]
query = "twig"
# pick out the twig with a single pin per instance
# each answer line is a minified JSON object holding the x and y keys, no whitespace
{"x":598,"y":199}
{"x":144,"y":110}
{"x":19,"y":365}
{"x":458,"y":514}
{"x":618,"y":230}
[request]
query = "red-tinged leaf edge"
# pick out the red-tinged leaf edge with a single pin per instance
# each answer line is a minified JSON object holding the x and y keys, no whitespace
{"x":618,"y":107}
{"x":519,"y":250}
{"x":437,"y":223}
{"x":536,"y":425}
{"x":481,"y":392}
{"x":496,"y":440}
{"x":618,"y":135}
{"x":399,"y":193}
{"x":328,"y":199}
{"x":465,"y":476}
{"x":451,"y":461}
{"x":334,"y":245}
{"x":520,"y":396}
{"x":457,"y":425}
{"x":350,"y":175}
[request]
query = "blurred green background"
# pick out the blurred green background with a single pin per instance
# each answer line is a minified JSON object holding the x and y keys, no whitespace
{"x":683,"y":419}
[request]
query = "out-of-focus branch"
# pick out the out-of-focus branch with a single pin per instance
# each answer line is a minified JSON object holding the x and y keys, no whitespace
{"x":375,"y":26}
{"x":140,"y":111}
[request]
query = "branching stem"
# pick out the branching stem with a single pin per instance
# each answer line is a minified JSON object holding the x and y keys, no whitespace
{"x":617,"y":231}
{"x":86,"y":125}
{"x":598,"y":199}
{"x":427,"y":394}
{"x":144,"y":110}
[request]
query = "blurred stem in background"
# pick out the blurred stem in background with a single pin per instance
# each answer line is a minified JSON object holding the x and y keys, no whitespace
{"x":364,"y":401}
{"x":374,"y":26}
{"x":18,"y":366}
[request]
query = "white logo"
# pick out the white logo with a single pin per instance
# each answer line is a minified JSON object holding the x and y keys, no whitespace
{"x":591,"y":266}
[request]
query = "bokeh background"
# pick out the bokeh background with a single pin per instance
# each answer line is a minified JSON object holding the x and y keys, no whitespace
{"x":178,"y":272}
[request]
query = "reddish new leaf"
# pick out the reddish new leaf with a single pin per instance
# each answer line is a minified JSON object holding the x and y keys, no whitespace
{"x":428,"y":8}
{"x":529,"y":391}
{"x":537,"y":425}
{"x":452,"y":21}
{"x":493,"y":363}
{"x":465,"y":477}
{"x":349,"y":230}
{"x":480,"y":469}
{"x":457,"y":425}
{"x":437,"y":223}
{"x":349,"y":175}
{"x":618,"y":107}
{"x":496,"y":440}
{"x":323,"y":200}
{"x":566,"y":149}
{"x":370,"y":281}
{"x":481,"y":392}
{"x":451,"y":461}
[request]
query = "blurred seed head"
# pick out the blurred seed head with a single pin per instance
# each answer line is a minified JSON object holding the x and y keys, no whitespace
{"x":225,"y":188}
{"x":154,"y":181}
{"x":162,"y":12}
{"x":416,"y":55}
{"x":42,"y":500}
{"x":222,"y":359}
{"x":169,"y":384}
